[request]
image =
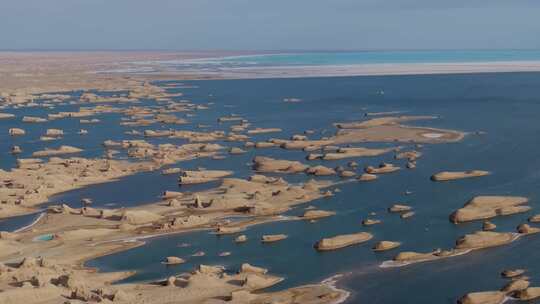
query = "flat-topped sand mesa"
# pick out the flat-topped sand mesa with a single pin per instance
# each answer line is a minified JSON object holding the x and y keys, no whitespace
{"x":58,"y":151}
{"x":44,"y":281}
{"x":464,"y":245}
{"x":34,"y":181}
{"x":343,"y":153}
{"x":518,"y":288}
{"x":448,"y":176}
{"x":342,"y":241}
{"x":485,"y":207}
{"x":388,"y":129}
{"x":6,"y":115}
{"x":16,"y":132}
{"x":382,"y":121}
{"x":165,"y":154}
{"x":32,"y":119}
{"x":316,"y":214}
{"x":385,"y":245}
{"x":382,"y":169}
{"x":271,"y":238}
{"x":193,"y":136}
{"x":202,"y":176}
{"x":484,"y":297}
{"x":264,"y":130}
{"x":270,"y":165}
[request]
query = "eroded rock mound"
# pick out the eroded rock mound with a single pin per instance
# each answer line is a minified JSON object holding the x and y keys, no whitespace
{"x":485,"y":207}
{"x":448,"y":176}
{"x":342,"y":241}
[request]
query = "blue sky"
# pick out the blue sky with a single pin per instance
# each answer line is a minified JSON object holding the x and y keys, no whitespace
{"x":269,"y":24}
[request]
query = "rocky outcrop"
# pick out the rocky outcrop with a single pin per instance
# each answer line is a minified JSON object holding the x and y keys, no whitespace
{"x":342,"y":241}
{"x":32,"y":119}
{"x":320,"y":171}
{"x":367,"y":177}
{"x":382,"y":169}
{"x":528,"y":294}
{"x":240,"y":239}
{"x":385,"y":245}
{"x":485,"y":207}
{"x":54,"y":133}
{"x":263,"y":130}
{"x":527,"y":229}
{"x":6,"y":115}
{"x":317,"y":214}
{"x":172,"y":260}
{"x":381,"y":121}
{"x":515,"y":285}
{"x":411,"y":156}
{"x":343,"y":153}
{"x":203,"y":176}
{"x":139,"y":217}
{"x":484,"y":297}
{"x":371,"y":222}
{"x":236,"y":151}
{"x":247,"y":268}
{"x":270,"y":165}
{"x":398,"y":208}
{"x":16,"y":132}
{"x":448,"y":176}
{"x":512,"y":273}
{"x":270,"y":238}
{"x":484,"y":239}
{"x":488,"y":226}
{"x":59,"y":151}
{"x":535,"y":218}
{"x":411,"y":256}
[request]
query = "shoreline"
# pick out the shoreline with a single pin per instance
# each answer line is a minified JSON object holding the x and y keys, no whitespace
{"x":331,"y":282}
{"x":33,"y":223}
{"x":398,"y":264}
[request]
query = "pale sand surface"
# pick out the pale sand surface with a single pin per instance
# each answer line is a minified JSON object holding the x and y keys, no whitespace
{"x":82,"y":234}
{"x":38,"y":72}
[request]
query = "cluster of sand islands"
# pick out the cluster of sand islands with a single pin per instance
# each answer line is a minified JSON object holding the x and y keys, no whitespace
{"x":53,"y":271}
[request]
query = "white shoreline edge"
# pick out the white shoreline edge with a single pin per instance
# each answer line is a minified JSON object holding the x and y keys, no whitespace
{"x":378,"y":69}
{"x":331,"y":283}
{"x":41,"y":215}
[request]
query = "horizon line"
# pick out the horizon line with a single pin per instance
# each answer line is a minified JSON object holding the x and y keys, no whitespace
{"x":262,"y":50}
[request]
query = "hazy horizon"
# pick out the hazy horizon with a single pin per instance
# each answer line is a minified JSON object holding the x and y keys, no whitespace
{"x":243,"y":25}
{"x":259,"y":51}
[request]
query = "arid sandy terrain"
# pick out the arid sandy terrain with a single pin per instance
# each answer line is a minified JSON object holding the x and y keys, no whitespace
{"x":34,"y":270}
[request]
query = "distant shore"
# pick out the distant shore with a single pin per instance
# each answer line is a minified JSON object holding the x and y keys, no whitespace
{"x":44,"y":72}
{"x":379,"y":69}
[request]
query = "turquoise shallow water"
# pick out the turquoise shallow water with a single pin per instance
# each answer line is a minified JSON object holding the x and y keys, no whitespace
{"x":359,"y":57}
{"x":505,"y":106}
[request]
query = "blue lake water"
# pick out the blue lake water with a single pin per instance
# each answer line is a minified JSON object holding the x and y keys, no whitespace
{"x":504,"y":106}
